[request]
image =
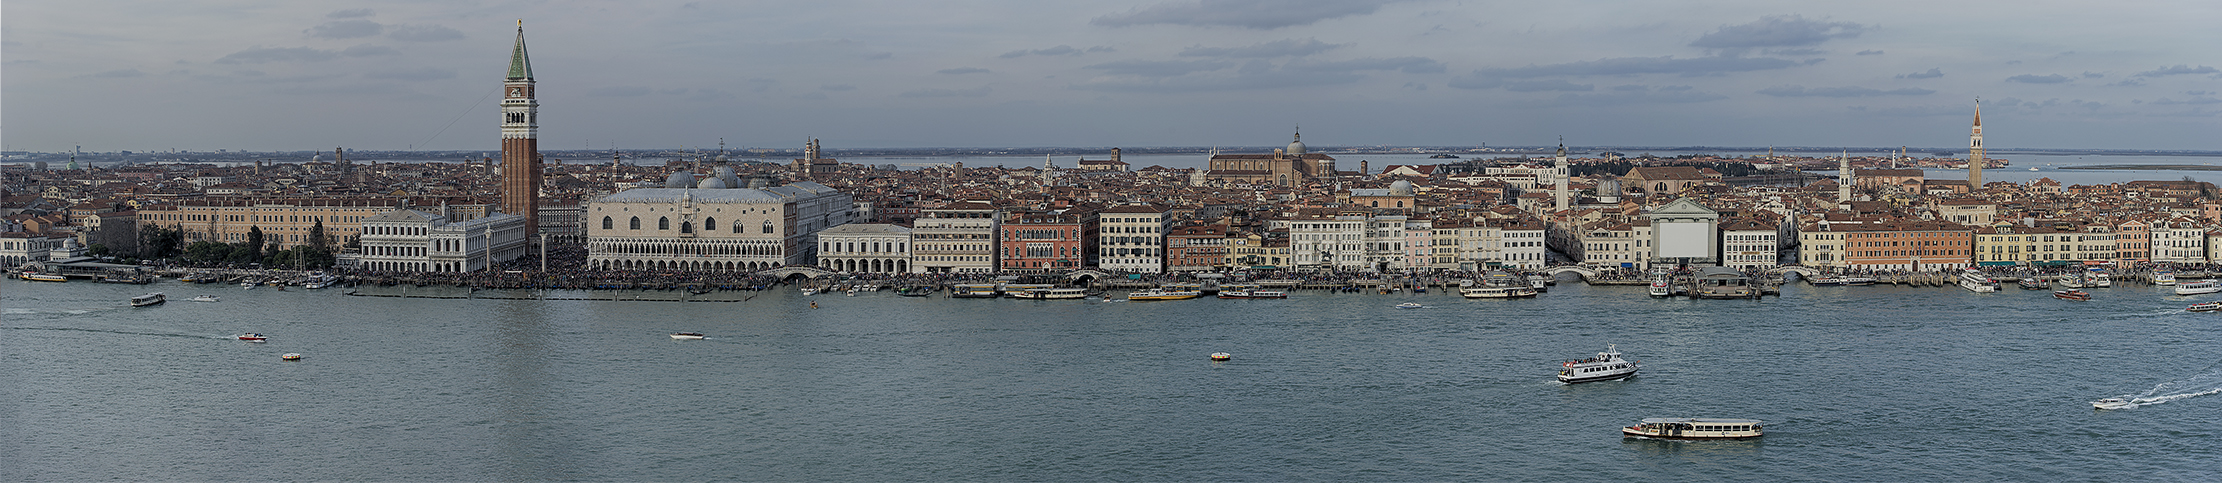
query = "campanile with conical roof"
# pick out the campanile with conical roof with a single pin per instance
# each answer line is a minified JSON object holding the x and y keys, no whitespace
{"x":520,"y":138}
{"x":1975,"y":160}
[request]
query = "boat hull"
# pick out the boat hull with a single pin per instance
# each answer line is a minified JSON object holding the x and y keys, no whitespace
{"x":1645,"y":434}
{"x":1578,"y":380}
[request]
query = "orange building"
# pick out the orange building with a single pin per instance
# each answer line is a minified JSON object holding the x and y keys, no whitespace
{"x":1906,"y":245}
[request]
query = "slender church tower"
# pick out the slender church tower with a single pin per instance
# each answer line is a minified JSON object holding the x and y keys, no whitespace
{"x":1560,"y":173}
{"x":1844,"y":178}
{"x":520,"y":139}
{"x":1975,"y":160}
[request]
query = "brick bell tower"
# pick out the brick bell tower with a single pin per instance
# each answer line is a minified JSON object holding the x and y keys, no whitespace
{"x":520,"y":139}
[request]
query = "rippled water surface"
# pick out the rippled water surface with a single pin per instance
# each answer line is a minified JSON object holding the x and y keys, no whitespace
{"x":1859,"y":383}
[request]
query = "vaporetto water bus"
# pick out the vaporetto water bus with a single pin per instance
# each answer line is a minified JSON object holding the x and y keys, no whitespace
{"x":1694,"y":428}
{"x":2198,"y":288}
{"x":1607,"y":366}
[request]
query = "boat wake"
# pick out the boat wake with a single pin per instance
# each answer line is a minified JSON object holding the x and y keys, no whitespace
{"x":2207,"y":383}
{"x":119,"y":332}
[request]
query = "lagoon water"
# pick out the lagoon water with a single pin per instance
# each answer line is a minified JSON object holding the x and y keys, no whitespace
{"x":1855,"y":383}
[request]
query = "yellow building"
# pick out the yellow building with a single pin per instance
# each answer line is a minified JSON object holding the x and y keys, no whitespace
{"x":285,"y":222}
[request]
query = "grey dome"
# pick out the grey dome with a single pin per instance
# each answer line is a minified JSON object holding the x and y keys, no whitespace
{"x":1296,"y":147}
{"x":680,"y":179}
{"x":712,"y":184}
{"x":1400,"y":188}
{"x":726,"y":173}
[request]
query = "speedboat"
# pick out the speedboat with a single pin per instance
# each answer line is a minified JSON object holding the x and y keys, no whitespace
{"x":204,"y":298}
{"x":2071,"y":295}
{"x":809,"y":291}
{"x":1662,"y":288}
{"x":1694,"y":428}
{"x":2199,"y":287}
{"x":1410,"y":305}
{"x":2205,"y":307}
{"x":2164,"y":278}
{"x":252,"y":337}
{"x":688,"y":336}
{"x":2032,"y":283}
{"x":150,"y":299}
{"x":1976,"y":281}
{"x":290,"y":356}
{"x":1606,"y":366}
{"x":2112,"y":403}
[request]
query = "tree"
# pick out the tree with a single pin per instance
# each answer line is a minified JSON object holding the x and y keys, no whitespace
{"x":159,"y":241}
{"x":254,"y":241}
{"x":316,"y":234}
{"x":205,"y":251}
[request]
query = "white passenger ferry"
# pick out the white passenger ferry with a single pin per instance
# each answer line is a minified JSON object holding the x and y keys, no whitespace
{"x":1050,"y":294}
{"x":1976,"y":281}
{"x":1694,"y":428}
{"x":2198,"y":288}
{"x":1497,"y":292}
{"x":2164,"y":277}
{"x":1606,"y":366}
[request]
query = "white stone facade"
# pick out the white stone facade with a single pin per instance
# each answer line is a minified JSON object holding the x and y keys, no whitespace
{"x":716,"y":229}
{"x":415,"y":241}
{"x":865,"y":247}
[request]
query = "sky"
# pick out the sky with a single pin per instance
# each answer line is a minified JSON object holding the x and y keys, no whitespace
{"x":202,"y":75}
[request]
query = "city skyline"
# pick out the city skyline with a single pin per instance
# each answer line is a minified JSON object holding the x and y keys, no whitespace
{"x":212,"y":75}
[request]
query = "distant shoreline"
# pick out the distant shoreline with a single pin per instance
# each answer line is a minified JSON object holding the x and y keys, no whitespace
{"x":2149,"y":167}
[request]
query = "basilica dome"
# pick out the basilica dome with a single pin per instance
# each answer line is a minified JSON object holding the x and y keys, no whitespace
{"x":680,"y":179}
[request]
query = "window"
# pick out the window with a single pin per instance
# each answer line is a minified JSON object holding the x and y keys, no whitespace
{"x":768,"y":226}
{"x":710,"y":224}
{"x":663,"y":223}
{"x":686,"y":227}
{"x":636,"y":223}
{"x":607,"y":223}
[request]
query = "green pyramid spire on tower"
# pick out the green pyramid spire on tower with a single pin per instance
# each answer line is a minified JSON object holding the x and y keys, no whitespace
{"x":520,"y":66}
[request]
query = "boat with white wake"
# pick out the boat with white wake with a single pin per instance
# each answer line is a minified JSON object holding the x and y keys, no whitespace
{"x":1694,"y":428}
{"x":2198,"y":288}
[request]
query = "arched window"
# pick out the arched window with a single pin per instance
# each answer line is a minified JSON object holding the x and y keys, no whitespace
{"x":636,"y":223}
{"x":663,"y":223}
{"x":768,"y":226}
{"x":607,"y":223}
{"x":686,"y":227}
{"x":709,"y":224}
{"x":737,"y":228}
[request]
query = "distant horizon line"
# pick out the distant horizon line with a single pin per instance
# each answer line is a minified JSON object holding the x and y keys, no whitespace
{"x":1149,"y":150}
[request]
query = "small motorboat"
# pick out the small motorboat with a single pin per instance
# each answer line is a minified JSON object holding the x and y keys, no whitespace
{"x":2078,"y":295}
{"x":204,"y":298}
{"x":689,"y":336}
{"x":2112,"y":403}
{"x":2032,"y":283}
{"x":291,"y":356}
{"x":252,"y":337}
{"x":1221,"y":356}
{"x":2205,"y":307}
{"x":809,"y":291}
{"x":1410,"y":305}
{"x":150,"y":299}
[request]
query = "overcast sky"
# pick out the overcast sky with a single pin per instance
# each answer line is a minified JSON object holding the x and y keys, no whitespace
{"x":273,"y":75}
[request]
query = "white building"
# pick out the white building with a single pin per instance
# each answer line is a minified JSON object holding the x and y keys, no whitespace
{"x":1749,"y":244}
{"x":1685,"y":232}
{"x":415,"y":241}
{"x":865,"y":247}
{"x":1385,"y":240}
{"x":1131,"y":238}
{"x":1623,"y":245}
{"x":1329,"y":242}
{"x":709,"y":225}
{"x":17,"y":248}
{"x":958,"y":238}
{"x":2179,"y":241}
{"x":1523,"y":242}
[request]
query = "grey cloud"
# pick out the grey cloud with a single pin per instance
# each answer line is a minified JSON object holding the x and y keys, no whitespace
{"x":1547,"y":85}
{"x":367,"y":50}
{"x":982,"y":91}
{"x":2038,"y":79}
{"x":1242,"y":80}
{"x":1854,"y":91}
{"x":1777,"y":31}
{"x":674,"y":91}
{"x":618,"y":91}
{"x":1415,"y":86}
{"x":1795,"y":52}
{"x":962,"y":70}
{"x":424,"y":33}
{"x":2130,"y":82}
{"x":1624,"y":95}
{"x":1934,"y":72}
{"x":760,"y":84}
{"x":1631,"y":87}
{"x":1160,"y":68}
{"x":257,"y":55}
{"x":345,"y":29}
{"x":360,"y":12}
{"x":1409,"y":65}
{"x":1869,"y":52}
{"x":2178,"y":69}
{"x":2093,"y":75}
{"x":2192,"y":101}
{"x":2198,"y":93}
{"x":1646,"y":65}
{"x":837,"y":87}
{"x":117,"y":74}
{"x":1058,"y":50}
{"x":1253,"y":14}
{"x":423,"y":74}
{"x":1277,"y":48}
